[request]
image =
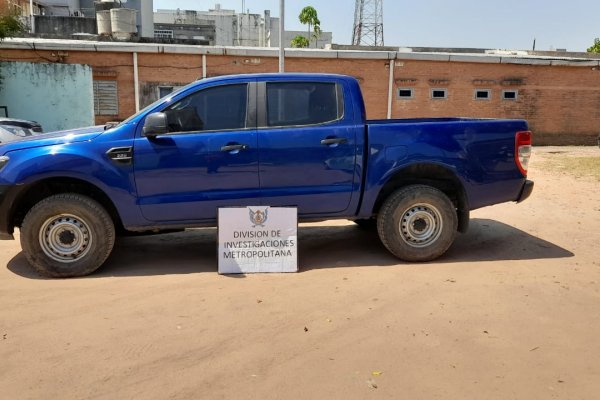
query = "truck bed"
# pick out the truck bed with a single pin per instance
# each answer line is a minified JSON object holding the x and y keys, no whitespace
{"x":480,"y":152}
{"x":422,"y":120}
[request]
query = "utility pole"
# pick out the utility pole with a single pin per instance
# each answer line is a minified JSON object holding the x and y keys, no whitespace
{"x":32,"y":21}
{"x":240,"y":35}
{"x":281,"y":36}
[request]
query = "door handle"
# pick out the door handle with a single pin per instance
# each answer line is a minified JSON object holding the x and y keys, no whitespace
{"x":234,"y":147}
{"x":333,"y":141}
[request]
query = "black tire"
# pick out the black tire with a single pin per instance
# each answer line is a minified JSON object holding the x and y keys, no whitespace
{"x":417,"y":223}
{"x":367,"y":224}
{"x":78,"y":236}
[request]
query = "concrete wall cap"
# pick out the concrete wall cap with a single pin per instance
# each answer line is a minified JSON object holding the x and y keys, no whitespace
{"x":130,"y":47}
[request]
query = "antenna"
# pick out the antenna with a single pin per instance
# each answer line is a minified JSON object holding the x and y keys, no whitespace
{"x":368,"y":23}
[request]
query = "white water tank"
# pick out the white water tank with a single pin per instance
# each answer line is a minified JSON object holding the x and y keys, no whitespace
{"x":103,"y":22}
{"x":123,"y":22}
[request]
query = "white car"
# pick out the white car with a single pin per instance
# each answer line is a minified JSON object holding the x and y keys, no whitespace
{"x":13,"y":129}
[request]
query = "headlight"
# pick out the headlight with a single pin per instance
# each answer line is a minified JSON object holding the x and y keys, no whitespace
{"x":3,"y":161}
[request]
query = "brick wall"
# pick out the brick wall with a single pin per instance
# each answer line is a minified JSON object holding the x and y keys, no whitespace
{"x":562,"y":104}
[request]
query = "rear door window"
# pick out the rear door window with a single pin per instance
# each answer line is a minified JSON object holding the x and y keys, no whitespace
{"x":303,"y":103}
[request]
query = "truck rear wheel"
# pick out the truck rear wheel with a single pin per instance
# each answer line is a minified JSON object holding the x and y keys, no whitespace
{"x":67,"y":235}
{"x":417,"y":223}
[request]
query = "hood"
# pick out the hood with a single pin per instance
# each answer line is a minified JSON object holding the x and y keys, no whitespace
{"x":53,"y":138}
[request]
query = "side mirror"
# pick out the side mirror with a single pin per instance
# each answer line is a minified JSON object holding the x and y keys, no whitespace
{"x":155,"y":124}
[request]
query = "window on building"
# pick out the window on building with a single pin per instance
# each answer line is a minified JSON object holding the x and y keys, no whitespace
{"x":303,"y":103}
{"x":510,"y":94}
{"x":405,"y":93}
{"x":211,"y":109}
{"x":483,"y":94}
{"x":439,"y":94}
{"x":163,"y":34}
{"x":164,"y":91}
{"x":106,"y":98}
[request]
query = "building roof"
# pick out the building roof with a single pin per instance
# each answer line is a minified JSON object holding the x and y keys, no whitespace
{"x":489,"y":57}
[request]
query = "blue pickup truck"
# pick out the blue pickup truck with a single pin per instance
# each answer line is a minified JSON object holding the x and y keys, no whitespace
{"x":268,"y":139}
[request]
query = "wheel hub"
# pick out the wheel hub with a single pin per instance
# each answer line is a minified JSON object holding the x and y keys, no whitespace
{"x":65,"y":238}
{"x":420,"y":225}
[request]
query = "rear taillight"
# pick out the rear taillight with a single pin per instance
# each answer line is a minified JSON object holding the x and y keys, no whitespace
{"x":522,"y":150}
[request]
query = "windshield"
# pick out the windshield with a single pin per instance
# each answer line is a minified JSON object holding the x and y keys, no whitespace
{"x":157,"y":102}
{"x":18,"y":130}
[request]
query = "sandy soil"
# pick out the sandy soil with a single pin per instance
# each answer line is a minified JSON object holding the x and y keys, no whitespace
{"x":511,"y":312}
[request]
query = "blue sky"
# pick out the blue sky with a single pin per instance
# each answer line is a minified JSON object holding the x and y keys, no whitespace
{"x":507,"y":24}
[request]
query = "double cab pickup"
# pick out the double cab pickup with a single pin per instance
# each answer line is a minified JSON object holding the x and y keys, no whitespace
{"x":298,"y":140}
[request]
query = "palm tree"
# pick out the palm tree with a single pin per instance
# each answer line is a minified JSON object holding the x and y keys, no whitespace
{"x":308,"y":15}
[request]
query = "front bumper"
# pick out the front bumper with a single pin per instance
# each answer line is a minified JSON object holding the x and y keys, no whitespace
{"x":8,"y":196}
{"x":525,"y":191}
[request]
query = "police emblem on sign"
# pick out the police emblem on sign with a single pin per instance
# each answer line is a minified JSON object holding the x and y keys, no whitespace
{"x":258,"y":217}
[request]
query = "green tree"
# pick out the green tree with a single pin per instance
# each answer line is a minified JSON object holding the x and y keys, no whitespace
{"x":300,"y":41}
{"x":9,"y":26}
{"x":316,"y":33}
{"x":308,"y":16}
{"x":595,"y":47}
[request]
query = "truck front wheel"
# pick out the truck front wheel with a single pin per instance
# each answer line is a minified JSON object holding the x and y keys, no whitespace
{"x":67,"y":235}
{"x":417,"y":223}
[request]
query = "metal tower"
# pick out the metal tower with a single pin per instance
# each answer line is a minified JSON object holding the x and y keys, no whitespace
{"x":368,"y":23}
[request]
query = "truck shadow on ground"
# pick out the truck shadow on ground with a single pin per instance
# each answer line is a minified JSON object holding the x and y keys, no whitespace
{"x":334,"y":246}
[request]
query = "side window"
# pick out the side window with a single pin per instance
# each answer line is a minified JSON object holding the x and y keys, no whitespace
{"x":215,"y":108}
{"x":303,"y":103}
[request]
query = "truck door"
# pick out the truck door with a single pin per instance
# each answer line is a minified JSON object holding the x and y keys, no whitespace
{"x":208,"y":159}
{"x":307,"y":150}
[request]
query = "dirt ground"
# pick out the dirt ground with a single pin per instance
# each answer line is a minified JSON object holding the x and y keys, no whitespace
{"x":510,"y":312}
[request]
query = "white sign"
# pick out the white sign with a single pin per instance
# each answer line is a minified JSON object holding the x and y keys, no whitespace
{"x":258,"y":239}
